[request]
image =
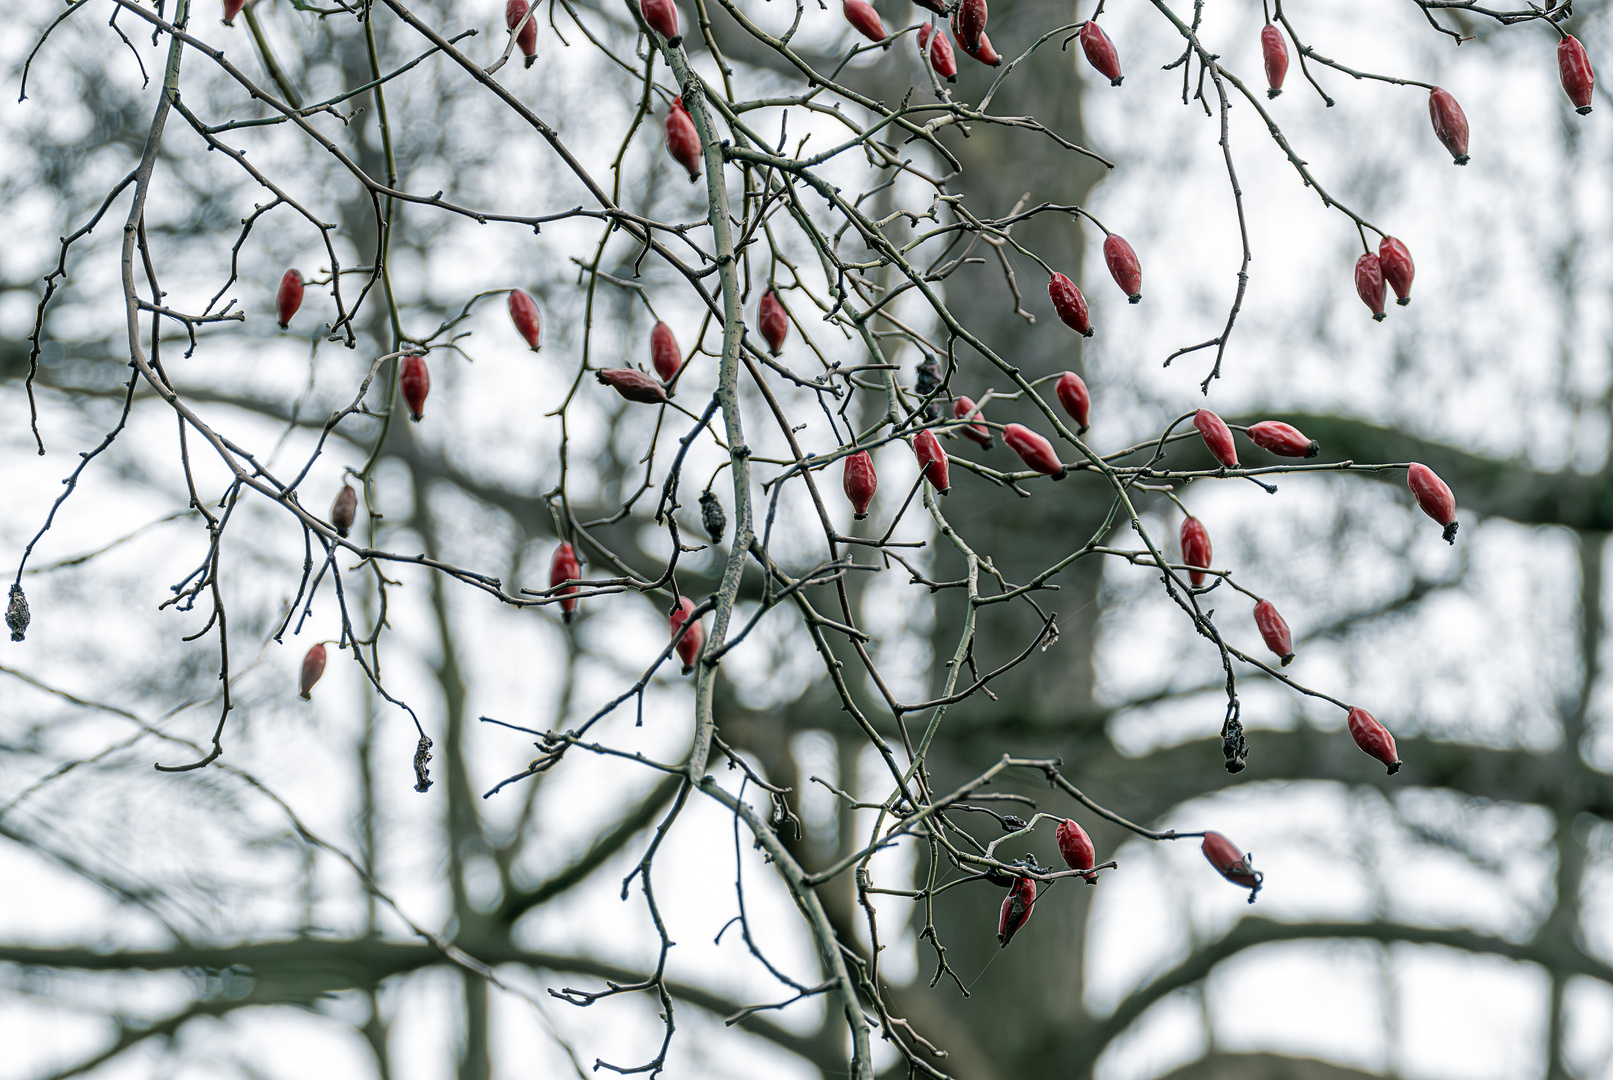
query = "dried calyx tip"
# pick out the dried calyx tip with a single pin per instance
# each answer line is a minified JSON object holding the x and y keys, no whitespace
{"x":1395,"y":767}
{"x":1461,"y":160}
{"x":1379,"y":316}
{"x":1450,"y":533}
{"x":1404,"y":301}
{"x":1583,"y":110}
{"x":1135,"y":298}
{"x":1273,"y":93}
{"x":1289,"y":659}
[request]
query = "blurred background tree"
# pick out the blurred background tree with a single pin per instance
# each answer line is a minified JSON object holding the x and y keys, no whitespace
{"x":1447,"y":921}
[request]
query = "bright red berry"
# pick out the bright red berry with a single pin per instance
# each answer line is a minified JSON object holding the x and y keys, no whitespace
{"x":1123,"y":266}
{"x":1076,"y":847}
{"x":773,"y":321}
{"x":1274,"y":631}
{"x":343,"y":510}
{"x":1282,"y":439}
{"x":528,"y":323}
{"x":864,"y":19}
{"x":1575,"y":68}
{"x":965,"y":408}
{"x":1275,"y":53}
{"x":289,"y":298}
{"x":662,"y":17}
{"x":1217,"y":436}
{"x":1230,"y":863}
{"x":563,"y":568}
{"x":313,"y":666}
{"x":665,"y":356}
{"x":688,"y":646}
{"x":682,"y":140}
{"x":1394,"y":259}
{"x":860,"y":482}
{"x":1070,"y":304}
{"x":1100,"y":51}
{"x":1434,"y":497}
{"x":1072,"y":394}
{"x":1369,"y":284}
{"x":1016,"y":910}
{"x":1195,"y":540}
{"x":634,"y":385}
{"x":970,"y":23}
{"x":232,"y":8}
{"x":939,"y":50}
{"x":985,"y":53}
{"x":415,"y":381}
{"x":1374,"y":738}
{"x":932,"y":461}
{"x":1036,"y":452}
{"x":527,"y":39}
{"x":1450,"y":124}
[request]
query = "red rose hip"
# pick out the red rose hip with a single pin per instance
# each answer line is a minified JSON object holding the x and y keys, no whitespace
{"x":564,"y":567}
{"x":1275,"y":53}
{"x":1374,"y":738}
{"x":1433,"y":497}
{"x":634,"y":385}
{"x":939,"y":50}
{"x":1036,"y":452}
{"x":1394,"y":259}
{"x":1274,"y":631}
{"x":232,"y":8}
{"x":864,"y":19}
{"x":665,"y":356}
{"x":932,"y":461}
{"x":773,"y":321}
{"x":527,"y":39}
{"x":860,"y":482}
{"x":415,"y":382}
{"x":1450,"y":124}
{"x":528,"y":323}
{"x":985,"y":53}
{"x":1196,"y":552}
{"x":970,"y":23}
{"x":1574,"y":65}
{"x":1282,"y":439}
{"x":1016,"y":910}
{"x":1123,"y":266}
{"x":965,"y":408}
{"x":1070,"y":304}
{"x":1217,"y":436}
{"x":662,"y":17}
{"x":682,"y":140}
{"x":688,"y":646}
{"x":313,"y":666}
{"x":1231,"y":863}
{"x":289,"y":297}
{"x":1076,"y":847}
{"x":1100,"y":52}
{"x":1072,"y":394}
{"x":1369,"y":284}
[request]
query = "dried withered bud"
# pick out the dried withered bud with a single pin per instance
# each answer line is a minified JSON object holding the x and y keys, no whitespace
{"x":422,"y":761}
{"x":712,"y":516}
{"x":343,"y":510}
{"x":1274,"y":631}
{"x":313,"y":666}
{"x":634,"y":385}
{"x":932,"y":461}
{"x":17,"y":613}
{"x":1374,"y":738}
{"x":1076,"y":847}
{"x":1434,"y":497}
{"x":929,"y":378}
{"x":1231,"y":863}
{"x":1016,"y":910}
{"x":1282,"y":439}
{"x":289,"y":297}
{"x":860,"y":482}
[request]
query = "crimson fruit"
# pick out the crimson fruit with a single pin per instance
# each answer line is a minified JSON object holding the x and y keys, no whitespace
{"x":682,"y":140}
{"x":984,"y":53}
{"x":563,"y":568}
{"x":1100,"y":51}
{"x":1035,"y":451}
{"x":1229,"y":862}
{"x":1450,"y":124}
{"x":1434,"y":497}
{"x":1195,"y":549}
{"x":860,"y":482}
{"x":415,"y":382}
{"x":688,"y":646}
{"x":864,"y":19}
{"x":1123,"y":266}
{"x":965,"y":408}
{"x":970,"y":23}
{"x":1575,"y":68}
{"x":773,"y":321}
{"x":939,"y":50}
{"x":1016,"y":910}
{"x":1070,"y":304}
{"x":932,"y":461}
{"x":528,"y":323}
{"x":1282,"y":439}
{"x":634,"y":385}
{"x":662,"y":17}
{"x":1076,"y":847}
{"x":1072,"y":394}
{"x":665,"y":355}
{"x":1217,"y":436}
{"x":289,"y":297}
{"x":1369,"y":284}
{"x":527,"y":39}
{"x":232,"y":8}
{"x":1374,"y":738}
{"x":1394,"y":259}
{"x":313,"y":666}
{"x":1275,"y":53}
{"x":1274,"y":631}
